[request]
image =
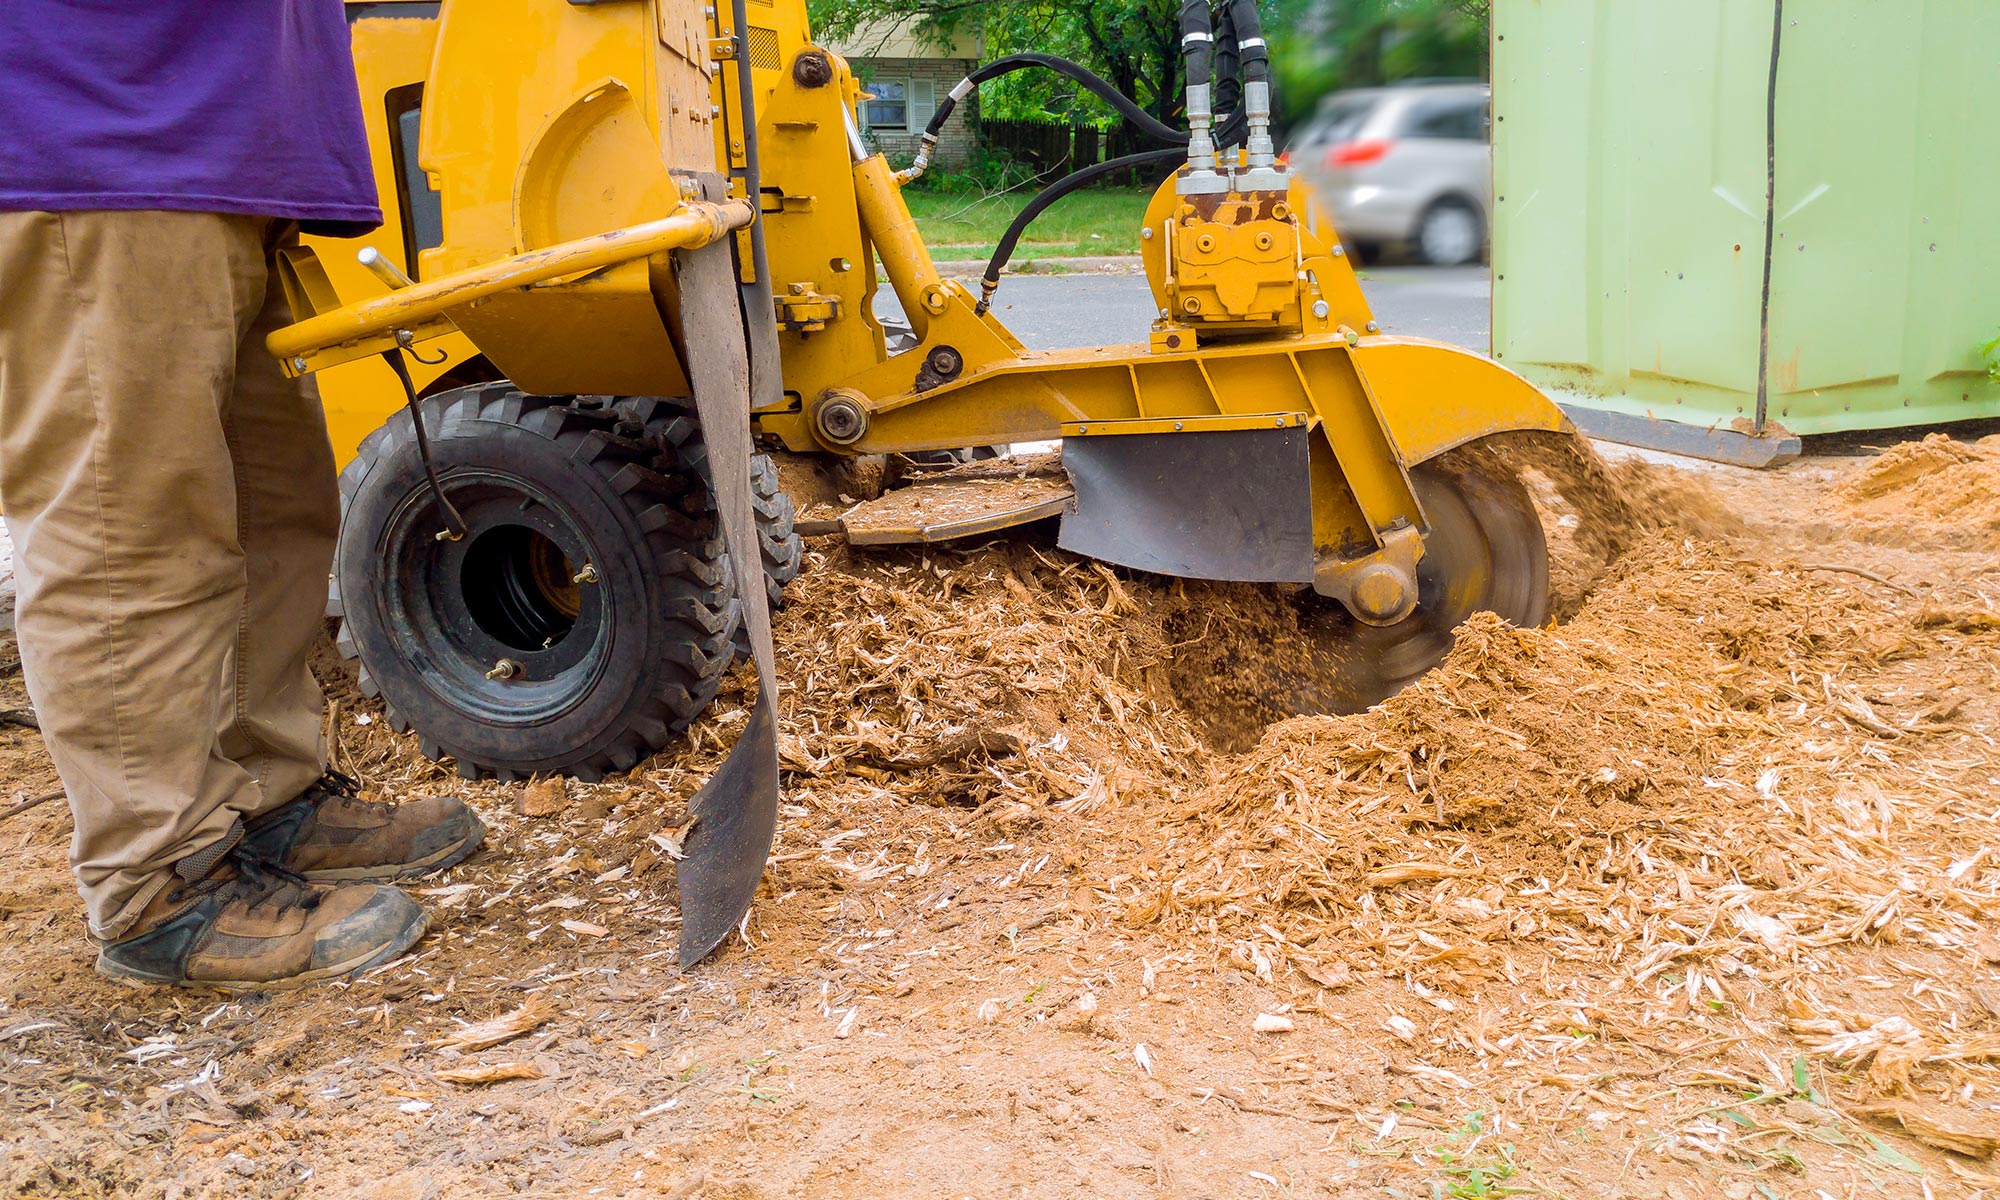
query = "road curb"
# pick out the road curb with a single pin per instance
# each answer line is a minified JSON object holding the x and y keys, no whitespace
{"x":1098,"y":264}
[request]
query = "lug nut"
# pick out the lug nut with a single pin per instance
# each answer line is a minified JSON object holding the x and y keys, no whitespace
{"x":587,"y":575}
{"x":506,"y":668}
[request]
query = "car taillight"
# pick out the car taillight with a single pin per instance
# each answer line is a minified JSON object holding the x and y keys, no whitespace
{"x":1357,"y":154}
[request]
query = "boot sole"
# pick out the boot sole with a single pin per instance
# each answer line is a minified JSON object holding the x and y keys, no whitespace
{"x":444,"y":859}
{"x":409,"y":936}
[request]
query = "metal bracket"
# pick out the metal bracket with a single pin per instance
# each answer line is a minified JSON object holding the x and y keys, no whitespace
{"x":1378,"y":588}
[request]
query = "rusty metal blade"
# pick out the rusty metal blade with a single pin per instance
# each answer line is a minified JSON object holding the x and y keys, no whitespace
{"x":736,"y":811}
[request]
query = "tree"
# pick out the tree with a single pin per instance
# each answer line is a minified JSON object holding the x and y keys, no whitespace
{"x":1316,"y":45}
{"x":1135,"y":44}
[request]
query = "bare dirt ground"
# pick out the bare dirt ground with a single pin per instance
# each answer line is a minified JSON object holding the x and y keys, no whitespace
{"x":1689,"y":895}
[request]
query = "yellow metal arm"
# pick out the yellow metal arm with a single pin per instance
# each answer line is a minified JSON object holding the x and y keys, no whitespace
{"x":367,"y":327}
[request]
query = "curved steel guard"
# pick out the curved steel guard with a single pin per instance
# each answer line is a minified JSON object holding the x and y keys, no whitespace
{"x":736,"y":811}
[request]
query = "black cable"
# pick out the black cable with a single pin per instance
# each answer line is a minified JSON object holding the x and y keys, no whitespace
{"x":1129,"y":109}
{"x":1054,"y":192}
{"x":1071,"y":182}
{"x":1243,"y":52}
{"x":454,"y":521}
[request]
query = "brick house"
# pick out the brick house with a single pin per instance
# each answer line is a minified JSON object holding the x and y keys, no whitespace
{"x":908,"y":72}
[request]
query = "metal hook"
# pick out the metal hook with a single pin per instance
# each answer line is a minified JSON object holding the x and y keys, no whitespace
{"x":407,"y":341}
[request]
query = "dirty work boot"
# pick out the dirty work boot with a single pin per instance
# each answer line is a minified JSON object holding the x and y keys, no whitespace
{"x":331,"y":833}
{"x":253,"y":926}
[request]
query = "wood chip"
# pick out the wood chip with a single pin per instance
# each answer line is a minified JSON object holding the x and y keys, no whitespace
{"x":544,"y":797}
{"x":479,"y":1073}
{"x":1410,"y":872}
{"x":1975,"y":1135}
{"x":1271,"y":1023}
{"x":525,"y":1019}
{"x":585,"y":928}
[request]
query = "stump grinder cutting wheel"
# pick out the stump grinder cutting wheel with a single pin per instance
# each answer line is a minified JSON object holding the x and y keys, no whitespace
{"x":630,"y":244}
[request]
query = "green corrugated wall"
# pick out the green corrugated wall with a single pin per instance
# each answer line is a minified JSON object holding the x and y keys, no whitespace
{"x":1631,"y":208}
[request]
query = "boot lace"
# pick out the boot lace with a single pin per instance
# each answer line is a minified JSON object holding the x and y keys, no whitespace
{"x":260,"y":881}
{"x":346,"y":790}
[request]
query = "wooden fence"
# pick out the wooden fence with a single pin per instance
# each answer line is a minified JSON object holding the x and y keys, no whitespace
{"x":1050,"y":144}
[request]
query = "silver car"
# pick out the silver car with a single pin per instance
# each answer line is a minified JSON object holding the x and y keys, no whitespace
{"x":1407,"y":163}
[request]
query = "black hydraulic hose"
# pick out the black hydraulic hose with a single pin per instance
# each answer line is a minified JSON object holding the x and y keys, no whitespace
{"x":1244,"y":58}
{"x":1054,"y":192}
{"x":1197,"y":41}
{"x":1071,"y":182}
{"x":1249,"y":30}
{"x":1228,"y":69}
{"x":1098,"y":86}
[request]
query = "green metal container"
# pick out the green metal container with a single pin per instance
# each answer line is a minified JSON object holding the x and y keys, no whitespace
{"x":1719,"y":224}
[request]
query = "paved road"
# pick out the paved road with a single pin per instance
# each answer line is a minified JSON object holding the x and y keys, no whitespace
{"x":1059,"y":312}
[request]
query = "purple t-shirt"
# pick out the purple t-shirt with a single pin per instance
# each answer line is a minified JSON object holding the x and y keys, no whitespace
{"x":236,"y":106}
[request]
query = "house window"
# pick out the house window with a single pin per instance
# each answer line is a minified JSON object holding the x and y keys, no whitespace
{"x":890,"y":109}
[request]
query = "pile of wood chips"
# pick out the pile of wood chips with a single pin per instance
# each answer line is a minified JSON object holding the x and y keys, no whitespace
{"x":1697,"y":796}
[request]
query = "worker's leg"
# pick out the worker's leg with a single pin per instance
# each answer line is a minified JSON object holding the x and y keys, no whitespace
{"x":288,"y":514}
{"x":119,"y":339}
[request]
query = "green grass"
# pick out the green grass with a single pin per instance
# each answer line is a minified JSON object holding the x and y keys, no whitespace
{"x":966,"y":224}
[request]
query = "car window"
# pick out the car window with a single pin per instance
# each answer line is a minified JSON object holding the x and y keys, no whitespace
{"x":1456,"y":119}
{"x":1342,"y":118}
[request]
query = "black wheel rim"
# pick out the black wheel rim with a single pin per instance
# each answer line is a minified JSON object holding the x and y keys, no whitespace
{"x":503,"y":593}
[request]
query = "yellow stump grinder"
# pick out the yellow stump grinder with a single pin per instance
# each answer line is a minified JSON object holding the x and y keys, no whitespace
{"x":630,"y":251}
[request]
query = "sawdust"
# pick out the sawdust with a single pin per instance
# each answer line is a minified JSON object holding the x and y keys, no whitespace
{"x":1664,"y":899}
{"x":1915,"y":487}
{"x":1531,"y":753}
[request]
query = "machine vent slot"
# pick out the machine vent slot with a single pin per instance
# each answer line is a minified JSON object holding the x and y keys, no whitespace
{"x":764,"y":49}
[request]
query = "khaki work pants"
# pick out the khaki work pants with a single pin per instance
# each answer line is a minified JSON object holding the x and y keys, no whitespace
{"x":173,"y":505}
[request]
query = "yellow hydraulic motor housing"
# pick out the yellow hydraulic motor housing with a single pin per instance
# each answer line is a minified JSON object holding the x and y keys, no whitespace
{"x":630,"y":241}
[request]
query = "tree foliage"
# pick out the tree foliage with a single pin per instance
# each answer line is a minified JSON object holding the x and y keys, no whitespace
{"x":1316,"y":45}
{"x":1132,"y":43}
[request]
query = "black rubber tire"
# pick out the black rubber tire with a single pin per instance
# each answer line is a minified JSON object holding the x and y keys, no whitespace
{"x":778,"y":543}
{"x":620,"y":484}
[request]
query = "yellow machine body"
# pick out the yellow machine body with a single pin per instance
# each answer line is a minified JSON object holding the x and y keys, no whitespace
{"x":536,"y":160}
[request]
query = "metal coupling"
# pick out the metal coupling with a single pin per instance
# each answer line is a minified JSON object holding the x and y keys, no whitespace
{"x":920,"y":163}
{"x":840,"y":419}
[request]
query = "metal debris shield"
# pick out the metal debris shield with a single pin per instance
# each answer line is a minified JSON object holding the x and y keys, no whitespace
{"x":736,"y":811}
{"x":1213,"y":504}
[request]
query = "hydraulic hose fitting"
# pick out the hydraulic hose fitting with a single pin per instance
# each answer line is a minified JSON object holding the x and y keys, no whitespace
{"x":1261,"y":172}
{"x":925,"y":145}
{"x":1198,"y":47}
{"x":1257,"y":107}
